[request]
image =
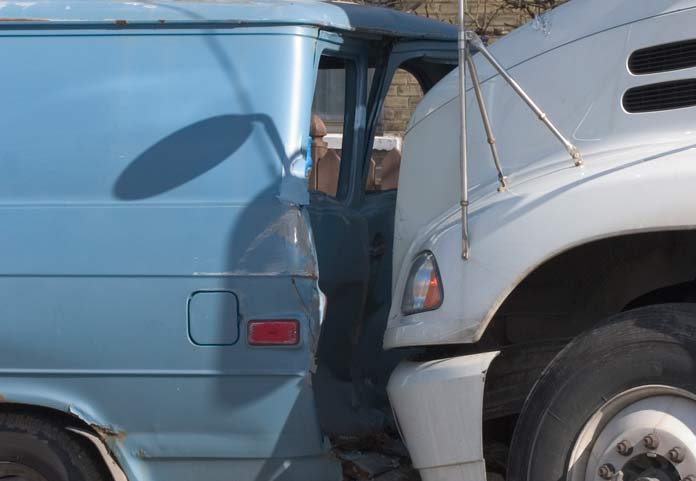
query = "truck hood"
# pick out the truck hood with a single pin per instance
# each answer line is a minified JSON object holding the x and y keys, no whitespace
{"x":573,"y":63}
{"x":568,"y":23}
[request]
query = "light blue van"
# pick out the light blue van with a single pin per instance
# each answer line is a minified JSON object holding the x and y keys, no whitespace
{"x":176,"y":304}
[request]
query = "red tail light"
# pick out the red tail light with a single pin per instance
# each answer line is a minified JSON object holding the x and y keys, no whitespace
{"x":273,"y":333}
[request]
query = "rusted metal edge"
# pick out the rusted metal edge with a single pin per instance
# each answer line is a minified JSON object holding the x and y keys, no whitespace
{"x":112,"y":464}
{"x":22,"y":20}
{"x":104,"y":434}
{"x":108,"y":24}
{"x":108,"y":432}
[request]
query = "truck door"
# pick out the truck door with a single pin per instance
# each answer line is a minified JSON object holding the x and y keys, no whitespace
{"x":400,"y":81}
{"x":340,"y":231}
{"x":353,"y":198}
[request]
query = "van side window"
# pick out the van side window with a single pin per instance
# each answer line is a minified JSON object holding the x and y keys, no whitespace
{"x":402,"y":98}
{"x":328,"y":124}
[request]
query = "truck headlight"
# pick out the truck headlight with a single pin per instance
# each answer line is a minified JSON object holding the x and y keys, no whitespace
{"x":424,"y":287}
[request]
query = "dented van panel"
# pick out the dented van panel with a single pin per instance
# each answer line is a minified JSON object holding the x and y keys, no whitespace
{"x":149,"y":192}
{"x":155,"y":202}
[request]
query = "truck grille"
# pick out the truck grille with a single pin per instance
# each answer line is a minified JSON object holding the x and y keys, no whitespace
{"x":675,"y":94}
{"x":663,"y":58}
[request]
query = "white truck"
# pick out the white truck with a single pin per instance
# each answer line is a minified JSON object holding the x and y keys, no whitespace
{"x":566,"y":276}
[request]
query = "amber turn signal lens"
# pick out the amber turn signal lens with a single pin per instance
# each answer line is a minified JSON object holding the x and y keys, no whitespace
{"x":423,"y":290}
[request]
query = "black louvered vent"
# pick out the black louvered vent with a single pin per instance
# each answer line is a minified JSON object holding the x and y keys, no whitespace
{"x":676,"y":94}
{"x":663,"y":58}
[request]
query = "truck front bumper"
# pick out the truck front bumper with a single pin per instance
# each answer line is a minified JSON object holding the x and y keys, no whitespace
{"x":439,"y":409}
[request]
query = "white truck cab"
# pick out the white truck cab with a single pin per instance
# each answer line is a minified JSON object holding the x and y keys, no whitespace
{"x":576,"y":300}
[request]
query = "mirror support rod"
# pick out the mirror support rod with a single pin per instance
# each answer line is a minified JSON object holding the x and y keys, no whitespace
{"x":463,"y":44}
{"x":478,"y":44}
{"x":486,"y":121}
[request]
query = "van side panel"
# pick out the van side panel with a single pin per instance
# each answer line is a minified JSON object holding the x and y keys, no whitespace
{"x":138,"y":168}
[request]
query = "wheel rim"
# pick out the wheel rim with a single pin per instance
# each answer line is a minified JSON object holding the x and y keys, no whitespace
{"x":643,"y":434}
{"x":10,"y":471}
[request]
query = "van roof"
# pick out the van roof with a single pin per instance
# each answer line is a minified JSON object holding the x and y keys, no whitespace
{"x":329,"y":15}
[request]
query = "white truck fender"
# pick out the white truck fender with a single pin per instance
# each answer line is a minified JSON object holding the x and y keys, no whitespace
{"x":439,"y":409}
{"x":547,"y":210}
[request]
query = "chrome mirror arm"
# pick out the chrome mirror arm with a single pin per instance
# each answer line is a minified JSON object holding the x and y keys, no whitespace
{"x":463,"y":45}
{"x":486,"y":121}
{"x":476,"y":42}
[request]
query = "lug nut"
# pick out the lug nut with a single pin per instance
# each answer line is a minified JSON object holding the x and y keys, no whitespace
{"x":676,"y":455}
{"x":606,"y":471}
{"x":624,"y":448}
{"x":651,"y":441}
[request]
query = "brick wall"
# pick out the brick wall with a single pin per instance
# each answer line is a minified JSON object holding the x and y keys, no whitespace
{"x":402,"y":98}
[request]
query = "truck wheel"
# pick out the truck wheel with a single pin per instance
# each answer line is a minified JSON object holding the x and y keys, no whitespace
{"x":34,"y":449}
{"x":618,"y":403}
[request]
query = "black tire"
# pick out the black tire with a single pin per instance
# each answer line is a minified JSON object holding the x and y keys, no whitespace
{"x":34,"y":449}
{"x":650,"y":345}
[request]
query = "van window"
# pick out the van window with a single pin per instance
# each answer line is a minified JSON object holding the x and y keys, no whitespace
{"x":328,"y":132}
{"x":329,"y":98}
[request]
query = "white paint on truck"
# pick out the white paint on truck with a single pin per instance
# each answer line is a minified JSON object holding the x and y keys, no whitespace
{"x":639,"y":175}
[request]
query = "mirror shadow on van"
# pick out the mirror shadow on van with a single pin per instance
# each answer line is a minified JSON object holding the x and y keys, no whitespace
{"x":189,"y":153}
